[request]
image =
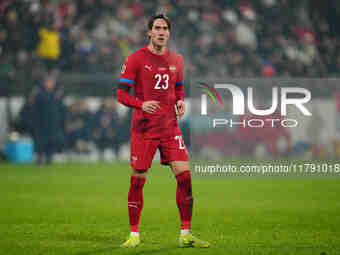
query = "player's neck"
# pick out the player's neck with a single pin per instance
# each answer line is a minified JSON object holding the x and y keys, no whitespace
{"x":158,"y":50}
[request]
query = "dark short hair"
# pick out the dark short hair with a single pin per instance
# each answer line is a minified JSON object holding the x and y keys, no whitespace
{"x":158,"y":16}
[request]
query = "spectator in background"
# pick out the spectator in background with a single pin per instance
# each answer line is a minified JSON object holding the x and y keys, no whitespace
{"x":14,"y":29}
{"x":49,"y":45}
{"x":77,"y":126}
{"x":7,"y":75}
{"x":4,"y":44}
{"x":47,"y":128}
{"x":67,"y":45}
{"x":27,"y":116}
{"x":106,"y":128}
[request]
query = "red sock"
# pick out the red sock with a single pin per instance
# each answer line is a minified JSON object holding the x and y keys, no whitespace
{"x":135,"y":201}
{"x":184,"y":198}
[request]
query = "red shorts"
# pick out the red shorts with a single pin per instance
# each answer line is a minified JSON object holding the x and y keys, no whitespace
{"x":143,"y":150}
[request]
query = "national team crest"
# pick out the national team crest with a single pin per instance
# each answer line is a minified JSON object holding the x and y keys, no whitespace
{"x":123,"y":69}
{"x":172,"y":68}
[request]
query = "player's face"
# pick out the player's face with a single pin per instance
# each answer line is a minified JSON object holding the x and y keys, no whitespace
{"x":159,"y":34}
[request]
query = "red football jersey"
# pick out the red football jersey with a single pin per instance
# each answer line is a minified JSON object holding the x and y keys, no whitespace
{"x":154,"y":77}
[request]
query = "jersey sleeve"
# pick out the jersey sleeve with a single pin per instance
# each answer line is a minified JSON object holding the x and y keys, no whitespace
{"x":179,"y":88}
{"x":180,"y":75}
{"x":126,"y":81}
{"x":126,"y":99}
{"x":128,"y":73}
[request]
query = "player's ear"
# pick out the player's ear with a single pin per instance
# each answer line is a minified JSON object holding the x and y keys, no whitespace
{"x":149,"y":33}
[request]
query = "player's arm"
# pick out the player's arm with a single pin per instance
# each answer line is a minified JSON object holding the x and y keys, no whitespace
{"x":126,"y":82}
{"x":124,"y":97}
{"x":179,"y":89}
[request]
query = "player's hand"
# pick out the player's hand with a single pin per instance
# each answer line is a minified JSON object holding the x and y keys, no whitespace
{"x":180,"y":108}
{"x":150,"y":106}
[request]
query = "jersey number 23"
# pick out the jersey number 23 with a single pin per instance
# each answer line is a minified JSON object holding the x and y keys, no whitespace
{"x":162,"y":81}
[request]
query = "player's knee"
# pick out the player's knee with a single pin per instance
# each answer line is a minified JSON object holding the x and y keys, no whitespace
{"x":179,"y":166}
{"x":139,"y":173}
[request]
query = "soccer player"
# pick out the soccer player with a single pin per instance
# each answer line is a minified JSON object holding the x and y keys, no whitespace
{"x":156,"y":76}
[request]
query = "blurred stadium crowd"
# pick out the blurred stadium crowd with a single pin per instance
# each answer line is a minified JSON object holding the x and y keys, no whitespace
{"x":226,"y":38}
{"x":218,"y":38}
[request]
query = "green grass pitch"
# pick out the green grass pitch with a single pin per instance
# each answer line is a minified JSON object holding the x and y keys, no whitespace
{"x":81,"y":209}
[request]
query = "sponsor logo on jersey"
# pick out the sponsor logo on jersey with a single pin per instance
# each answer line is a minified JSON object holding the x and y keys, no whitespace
{"x":161,"y":68}
{"x":134,"y":158}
